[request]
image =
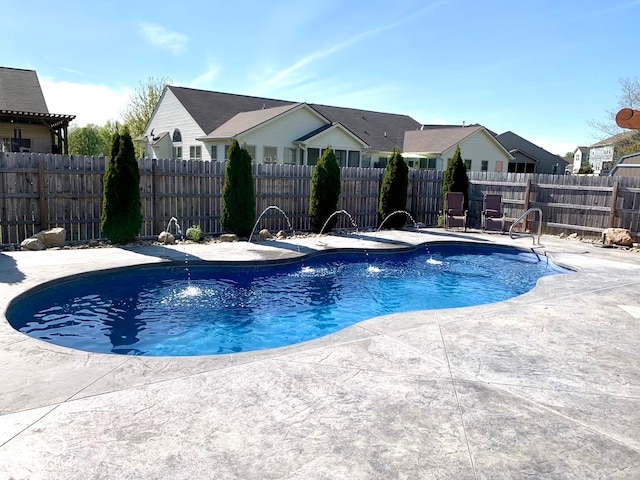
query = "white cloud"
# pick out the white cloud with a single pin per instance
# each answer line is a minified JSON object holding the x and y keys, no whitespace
{"x":204,"y":80}
{"x":161,"y":37}
{"x":89,"y":103}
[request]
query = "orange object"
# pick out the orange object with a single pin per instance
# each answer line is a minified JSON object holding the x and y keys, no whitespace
{"x":628,"y":118}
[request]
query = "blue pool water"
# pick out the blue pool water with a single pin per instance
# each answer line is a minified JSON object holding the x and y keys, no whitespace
{"x":222,"y":309}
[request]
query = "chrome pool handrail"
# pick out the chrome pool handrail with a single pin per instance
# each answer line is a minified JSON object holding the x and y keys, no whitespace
{"x":522,"y":217}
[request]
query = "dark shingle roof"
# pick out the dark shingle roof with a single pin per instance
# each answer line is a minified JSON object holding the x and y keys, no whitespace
{"x":382,"y":131}
{"x":20,"y":91}
{"x":512,"y":141}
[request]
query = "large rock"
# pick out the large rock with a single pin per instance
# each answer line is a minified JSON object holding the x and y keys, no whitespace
{"x":228,"y":237}
{"x":282,"y":234}
{"x":617,"y":236}
{"x":166,"y":238}
{"x":32,"y":243}
{"x":265,"y":234}
{"x":53,"y":237}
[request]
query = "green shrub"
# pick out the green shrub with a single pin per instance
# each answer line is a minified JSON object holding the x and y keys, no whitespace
{"x":194,"y":233}
{"x":586,"y":169}
{"x":455,"y":178}
{"x":325,"y":190}
{"x":121,"y":217}
{"x":238,"y":196}
{"x":393,"y":192}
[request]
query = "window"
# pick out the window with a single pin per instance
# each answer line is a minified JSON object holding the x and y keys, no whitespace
{"x":177,"y":152}
{"x":431,"y":163}
{"x":252,"y":151}
{"x":366,"y":161}
{"x":484,"y":165}
{"x":195,"y":152}
{"x":214,"y":153}
{"x":270,"y":155}
{"x":226,"y":151}
{"x":354,"y":158}
{"x":291,"y":156}
{"x":177,"y":136}
{"x":313,"y":154}
{"x":381,"y":163}
{"x":467,"y":165}
{"x":341,"y":156}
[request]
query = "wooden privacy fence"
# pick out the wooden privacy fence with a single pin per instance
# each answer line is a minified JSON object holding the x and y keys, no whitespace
{"x":39,"y":191}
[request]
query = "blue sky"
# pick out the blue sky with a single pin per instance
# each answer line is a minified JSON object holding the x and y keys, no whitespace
{"x":542,"y":69}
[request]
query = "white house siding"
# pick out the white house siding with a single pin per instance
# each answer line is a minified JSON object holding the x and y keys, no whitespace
{"x":601,"y":156}
{"x":478,"y":147}
{"x":171,"y":115}
{"x":38,"y":134}
{"x":281,"y":132}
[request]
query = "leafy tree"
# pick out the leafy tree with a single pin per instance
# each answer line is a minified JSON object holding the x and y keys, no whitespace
{"x":455,"y":177}
{"x":629,"y":97}
{"x":91,"y":139}
{"x":141,"y":104}
{"x":325,"y":190}
{"x":238,"y":195}
{"x":393,"y":192}
{"x":586,"y":168}
{"x":121,"y":207}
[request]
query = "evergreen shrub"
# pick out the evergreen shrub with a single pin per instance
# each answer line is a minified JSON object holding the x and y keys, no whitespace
{"x":238,"y":195}
{"x":393,"y":192}
{"x":325,"y":190}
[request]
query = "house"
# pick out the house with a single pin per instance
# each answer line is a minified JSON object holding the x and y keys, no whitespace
{"x":25,"y":122}
{"x":433,"y":146}
{"x":604,"y":154}
{"x":627,"y":166}
{"x":530,"y":158}
{"x":580,"y":158}
{"x":200,"y":124}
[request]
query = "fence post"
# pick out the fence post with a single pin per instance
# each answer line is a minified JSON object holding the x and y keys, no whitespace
{"x":42,"y":195}
{"x":527,"y":203}
{"x":614,"y":201}
{"x":155,"y":208}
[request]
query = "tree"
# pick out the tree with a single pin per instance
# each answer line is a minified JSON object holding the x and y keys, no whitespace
{"x":325,"y":190}
{"x":586,"y":168}
{"x":141,"y":104}
{"x":91,"y":139}
{"x":121,"y":207}
{"x":629,"y":97}
{"x":455,"y":177}
{"x":238,"y":195}
{"x":393,"y":192}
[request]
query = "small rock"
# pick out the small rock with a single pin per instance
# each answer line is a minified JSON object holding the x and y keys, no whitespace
{"x":228,"y":237}
{"x":636,"y":246}
{"x":166,"y":238}
{"x":617,"y":236}
{"x":562,"y":235}
{"x":93,"y":243}
{"x":53,"y":237}
{"x":265,"y":234}
{"x":282,"y":234}
{"x":32,"y":244}
{"x":574,"y":236}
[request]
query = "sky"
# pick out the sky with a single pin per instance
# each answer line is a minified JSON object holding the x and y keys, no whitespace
{"x":541,"y":69}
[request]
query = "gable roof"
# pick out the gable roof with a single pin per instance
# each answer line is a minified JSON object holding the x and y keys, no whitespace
{"x":331,"y":126}
{"x":512,"y":141}
{"x":613,"y":139}
{"x":211,"y":110}
{"x":245,"y":121}
{"x":436,"y":140}
{"x":20,"y":91}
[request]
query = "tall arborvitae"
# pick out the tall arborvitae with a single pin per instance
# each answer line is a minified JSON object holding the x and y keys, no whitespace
{"x":238,"y":195}
{"x":121,"y":207}
{"x":455,"y":178}
{"x":393,"y":192}
{"x":325,"y":190}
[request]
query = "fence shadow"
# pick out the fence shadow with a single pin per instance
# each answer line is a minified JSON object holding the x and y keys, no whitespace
{"x":159,"y":251}
{"x":9,"y":272}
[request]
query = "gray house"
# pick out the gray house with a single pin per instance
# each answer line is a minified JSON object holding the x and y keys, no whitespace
{"x":530,"y":158}
{"x":25,"y":122}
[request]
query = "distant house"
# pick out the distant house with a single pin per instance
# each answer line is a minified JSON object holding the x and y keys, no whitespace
{"x":605,"y":153}
{"x":433,"y":146}
{"x":25,"y":122}
{"x":529,"y":157}
{"x":580,"y":158}
{"x":627,"y":166}
{"x":200,"y":124}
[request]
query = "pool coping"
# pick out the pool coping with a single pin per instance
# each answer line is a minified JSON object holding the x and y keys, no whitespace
{"x":43,"y":380}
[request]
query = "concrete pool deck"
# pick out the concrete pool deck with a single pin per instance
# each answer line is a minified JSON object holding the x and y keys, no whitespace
{"x":545,"y":385}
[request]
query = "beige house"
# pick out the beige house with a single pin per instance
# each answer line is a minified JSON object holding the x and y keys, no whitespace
{"x":25,"y":122}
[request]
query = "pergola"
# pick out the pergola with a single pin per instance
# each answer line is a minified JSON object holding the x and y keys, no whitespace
{"x":57,"y":124}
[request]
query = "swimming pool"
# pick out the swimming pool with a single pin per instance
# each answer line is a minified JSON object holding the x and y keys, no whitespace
{"x":216,"y":309}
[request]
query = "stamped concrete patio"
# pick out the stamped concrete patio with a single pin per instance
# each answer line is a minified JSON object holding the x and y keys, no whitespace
{"x":544,"y":386}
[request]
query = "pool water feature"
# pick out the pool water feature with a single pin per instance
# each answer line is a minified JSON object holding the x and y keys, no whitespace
{"x":157,"y":311}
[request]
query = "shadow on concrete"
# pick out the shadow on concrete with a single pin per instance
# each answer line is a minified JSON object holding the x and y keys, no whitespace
{"x":9,"y":272}
{"x":293,"y":247}
{"x":159,"y":251}
{"x":453,"y":234}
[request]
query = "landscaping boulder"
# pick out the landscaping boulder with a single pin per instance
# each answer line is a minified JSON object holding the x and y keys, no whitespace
{"x":166,"y":237}
{"x":265,"y":234}
{"x":228,"y":237}
{"x":617,"y":236}
{"x":53,"y":237}
{"x":32,"y":243}
{"x":282,"y":234}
